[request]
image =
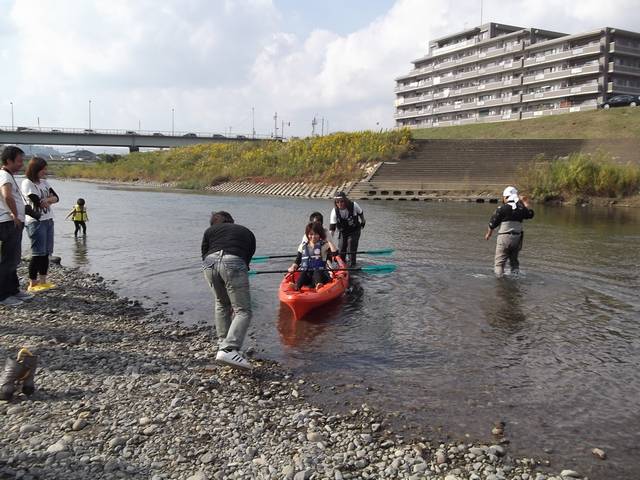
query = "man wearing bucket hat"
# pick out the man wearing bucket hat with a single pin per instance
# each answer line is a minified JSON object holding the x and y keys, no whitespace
{"x":348,"y":218}
{"x":509,"y":217}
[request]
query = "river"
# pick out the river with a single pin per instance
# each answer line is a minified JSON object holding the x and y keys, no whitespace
{"x":439,"y":344}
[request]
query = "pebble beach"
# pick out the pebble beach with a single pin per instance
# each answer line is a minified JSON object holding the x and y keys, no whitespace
{"x":124,"y":391}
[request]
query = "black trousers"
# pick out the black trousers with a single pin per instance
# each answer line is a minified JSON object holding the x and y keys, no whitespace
{"x":348,"y":242}
{"x":312,"y":277}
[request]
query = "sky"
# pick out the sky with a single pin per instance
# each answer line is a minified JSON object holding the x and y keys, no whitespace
{"x":223,"y":66}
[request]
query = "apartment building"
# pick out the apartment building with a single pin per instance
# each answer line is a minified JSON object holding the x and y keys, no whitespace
{"x":495,"y":73}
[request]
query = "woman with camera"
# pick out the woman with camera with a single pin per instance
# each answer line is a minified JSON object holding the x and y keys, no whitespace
{"x":39,"y":223}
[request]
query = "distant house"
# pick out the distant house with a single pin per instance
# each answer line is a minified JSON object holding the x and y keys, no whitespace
{"x":79,"y":155}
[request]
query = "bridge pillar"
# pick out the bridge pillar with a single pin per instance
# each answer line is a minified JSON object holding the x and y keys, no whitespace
{"x":134,"y":148}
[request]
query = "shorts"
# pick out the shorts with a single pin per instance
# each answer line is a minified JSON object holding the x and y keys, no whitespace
{"x":41,"y":235}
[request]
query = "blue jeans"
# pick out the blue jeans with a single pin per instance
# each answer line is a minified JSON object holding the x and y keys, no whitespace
{"x":41,"y":235}
{"x":11,"y":249}
{"x":228,"y":278}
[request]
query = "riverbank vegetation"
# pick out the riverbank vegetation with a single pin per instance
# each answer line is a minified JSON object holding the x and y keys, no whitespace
{"x":578,"y":177}
{"x":329,"y":160}
{"x":601,"y":123}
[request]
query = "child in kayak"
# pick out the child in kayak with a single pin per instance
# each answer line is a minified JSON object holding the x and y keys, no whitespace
{"x":312,"y":257}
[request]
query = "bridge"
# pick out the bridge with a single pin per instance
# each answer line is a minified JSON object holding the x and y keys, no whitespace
{"x":132,"y":139}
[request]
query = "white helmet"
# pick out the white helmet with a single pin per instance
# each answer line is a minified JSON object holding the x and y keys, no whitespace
{"x":509,"y":191}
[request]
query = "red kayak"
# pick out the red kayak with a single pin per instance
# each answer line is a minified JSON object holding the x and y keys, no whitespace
{"x":306,"y":299}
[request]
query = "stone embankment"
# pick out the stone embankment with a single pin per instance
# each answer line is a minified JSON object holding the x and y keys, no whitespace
{"x":293,"y":189}
{"x":124,"y":392}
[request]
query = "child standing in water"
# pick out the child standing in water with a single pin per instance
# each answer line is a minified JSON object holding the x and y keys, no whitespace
{"x":79,"y":218}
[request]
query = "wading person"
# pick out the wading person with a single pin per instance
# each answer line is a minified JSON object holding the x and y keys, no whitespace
{"x":227,"y":249}
{"x":41,"y":196}
{"x":348,"y":218}
{"x":11,"y":225}
{"x":79,"y":217}
{"x":508,"y":217}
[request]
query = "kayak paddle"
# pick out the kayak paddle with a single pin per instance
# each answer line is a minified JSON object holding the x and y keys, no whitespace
{"x":262,"y":258}
{"x":377,"y":269}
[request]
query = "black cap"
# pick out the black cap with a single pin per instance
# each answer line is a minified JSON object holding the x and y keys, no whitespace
{"x":340,"y":194}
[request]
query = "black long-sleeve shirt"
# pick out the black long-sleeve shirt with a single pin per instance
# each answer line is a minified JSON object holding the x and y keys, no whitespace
{"x":506,"y":212}
{"x":233,"y":239}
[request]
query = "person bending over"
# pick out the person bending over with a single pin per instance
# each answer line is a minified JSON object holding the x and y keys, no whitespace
{"x":227,"y":249}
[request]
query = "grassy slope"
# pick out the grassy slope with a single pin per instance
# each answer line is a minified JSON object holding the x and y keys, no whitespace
{"x":612,"y":123}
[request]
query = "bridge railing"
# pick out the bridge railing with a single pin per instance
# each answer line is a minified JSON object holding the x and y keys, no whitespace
{"x":148,"y":133}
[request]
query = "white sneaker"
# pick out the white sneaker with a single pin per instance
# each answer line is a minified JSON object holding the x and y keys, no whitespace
{"x":11,"y":302}
{"x":233,"y":359}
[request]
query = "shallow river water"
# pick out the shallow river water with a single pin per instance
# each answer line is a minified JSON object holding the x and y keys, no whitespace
{"x":440,"y":344}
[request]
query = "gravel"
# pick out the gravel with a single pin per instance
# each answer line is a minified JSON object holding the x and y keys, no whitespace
{"x":126,"y":392}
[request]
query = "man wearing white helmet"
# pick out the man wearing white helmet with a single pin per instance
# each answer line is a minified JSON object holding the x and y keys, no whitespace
{"x":509,"y":217}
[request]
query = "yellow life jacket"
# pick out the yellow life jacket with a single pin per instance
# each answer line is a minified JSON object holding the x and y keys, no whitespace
{"x":80,"y":215}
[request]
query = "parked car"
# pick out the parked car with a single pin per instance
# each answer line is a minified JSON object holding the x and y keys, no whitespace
{"x":621,"y":101}
{"x":189,"y":135}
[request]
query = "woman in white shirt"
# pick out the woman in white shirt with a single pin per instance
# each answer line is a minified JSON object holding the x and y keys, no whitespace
{"x":41,"y":196}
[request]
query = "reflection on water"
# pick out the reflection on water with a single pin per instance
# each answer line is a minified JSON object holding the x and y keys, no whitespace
{"x":319,"y":326}
{"x":504,"y":309}
{"x":554,"y":353}
{"x":80,"y":251}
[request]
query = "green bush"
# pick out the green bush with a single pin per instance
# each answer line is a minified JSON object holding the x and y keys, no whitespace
{"x":578,"y":175}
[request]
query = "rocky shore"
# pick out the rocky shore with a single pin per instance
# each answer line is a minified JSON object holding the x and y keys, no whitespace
{"x":125,"y":392}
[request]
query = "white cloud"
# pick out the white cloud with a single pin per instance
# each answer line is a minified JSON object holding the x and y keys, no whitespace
{"x":212,"y":62}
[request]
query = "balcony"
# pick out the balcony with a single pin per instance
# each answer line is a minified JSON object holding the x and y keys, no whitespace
{"x":566,"y":73}
{"x":459,"y":76}
{"x":558,"y":111}
{"x":453,"y":47}
{"x":491,"y":119}
{"x":404,"y":88}
{"x":502,"y":51}
{"x":416,"y":86}
{"x":410,"y":114}
{"x":615,"y":48}
{"x":567,"y":54}
{"x":414,"y":100}
{"x":500,"y":85}
{"x":446,"y":65}
{"x":623,"y":69}
{"x":611,"y":88}
{"x":562,"y":92}
{"x":493,"y":102}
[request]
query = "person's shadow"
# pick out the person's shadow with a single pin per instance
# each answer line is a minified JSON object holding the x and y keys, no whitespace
{"x":80,"y":250}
